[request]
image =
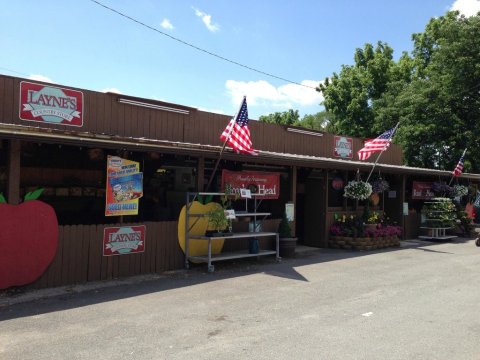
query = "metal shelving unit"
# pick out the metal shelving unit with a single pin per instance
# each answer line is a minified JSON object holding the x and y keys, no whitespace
{"x":437,"y":233}
{"x":209,"y":258}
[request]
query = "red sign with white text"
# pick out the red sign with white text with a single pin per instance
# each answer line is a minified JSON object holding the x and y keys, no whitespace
{"x":50,"y":104}
{"x":123,"y":240}
{"x":266,"y":185}
{"x":422,"y":190}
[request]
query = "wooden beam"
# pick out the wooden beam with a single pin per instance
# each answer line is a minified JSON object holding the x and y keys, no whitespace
{"x":293,"y":197}
{"x":402,"y":200}
{"x":13,"y":172}
{"x":200,"y":173}
{"x":326,"y":229}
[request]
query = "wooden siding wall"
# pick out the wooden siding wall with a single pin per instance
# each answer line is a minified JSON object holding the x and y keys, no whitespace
{"x":104,"y":115}
{"x":79,"y":256}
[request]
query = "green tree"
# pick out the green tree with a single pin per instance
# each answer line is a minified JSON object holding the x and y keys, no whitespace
{"x":439,"y":108}
{"x":434,"y":94}
{"x":289,"y":117}
{"x":319,"y":121}
{"x":349,"y":95}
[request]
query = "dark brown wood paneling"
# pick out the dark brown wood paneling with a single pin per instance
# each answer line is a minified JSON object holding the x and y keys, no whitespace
{"x":104,"y":114}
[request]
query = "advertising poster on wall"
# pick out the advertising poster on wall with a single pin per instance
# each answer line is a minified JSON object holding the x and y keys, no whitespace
{"x":124,"y":187}
{"x":266,"y":185}
{"x":123,"y":240}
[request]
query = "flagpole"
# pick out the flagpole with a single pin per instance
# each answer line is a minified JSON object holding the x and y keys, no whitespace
{"x":381,"y":152}
{"x":223,"y":147}
{"x":451,"y":179}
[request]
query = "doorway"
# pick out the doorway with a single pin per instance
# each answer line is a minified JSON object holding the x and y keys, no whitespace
{"x":314,"y":210}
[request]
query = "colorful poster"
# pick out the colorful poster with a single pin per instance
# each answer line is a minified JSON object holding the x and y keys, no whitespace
{"x":343,"y":147}
{"x":422,"y":190}
{"x":124,"y":187}
{"x":266,"y":185}
{"x":123,"y":240}
{"x":50,"y":104}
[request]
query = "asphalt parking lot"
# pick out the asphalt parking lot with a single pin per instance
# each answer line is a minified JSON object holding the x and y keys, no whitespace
{"x":419,"y":301}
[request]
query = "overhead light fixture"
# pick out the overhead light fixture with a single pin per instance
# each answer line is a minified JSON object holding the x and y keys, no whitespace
{"x":304,"y":132}
{"x":152,"y":106}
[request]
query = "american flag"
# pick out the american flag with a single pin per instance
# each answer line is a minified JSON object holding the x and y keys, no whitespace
{"x":380,"y":143}
{"x":459,"y":168}
{"x":237,"y":133}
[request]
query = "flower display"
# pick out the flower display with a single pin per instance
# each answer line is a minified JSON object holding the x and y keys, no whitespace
{"x":441,"y":188}
{"x":380,"y":185}
{"x":359,"y":190}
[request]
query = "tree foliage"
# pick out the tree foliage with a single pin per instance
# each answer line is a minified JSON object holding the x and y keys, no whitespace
{"x":319,"y":121}
{"x":434,"y":92}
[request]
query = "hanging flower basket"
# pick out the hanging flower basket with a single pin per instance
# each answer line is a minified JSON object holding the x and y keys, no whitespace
{"x":459,"y":191}
{"x":358,"y":190}
{"x":380,"y":185}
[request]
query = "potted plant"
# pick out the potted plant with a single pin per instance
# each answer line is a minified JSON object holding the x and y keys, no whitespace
{"x":358,"y":190}
{"x":287,"y":242}
{"x":218,"y":220}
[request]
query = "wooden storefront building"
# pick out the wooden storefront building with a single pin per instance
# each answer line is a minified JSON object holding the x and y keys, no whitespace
{"x":177,"y":147}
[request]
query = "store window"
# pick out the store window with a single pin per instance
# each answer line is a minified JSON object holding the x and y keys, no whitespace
{"x":73,"y":179}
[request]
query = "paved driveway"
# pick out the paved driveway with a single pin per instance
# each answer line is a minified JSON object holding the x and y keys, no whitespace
{"x":420,"y":301}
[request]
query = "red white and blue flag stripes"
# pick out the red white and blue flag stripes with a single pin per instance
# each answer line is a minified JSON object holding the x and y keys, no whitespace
{"x":379,"y":144}
{"x":459,"y":168}
{"x":237,"y":134}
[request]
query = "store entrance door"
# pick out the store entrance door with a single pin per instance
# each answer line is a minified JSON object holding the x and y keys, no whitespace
{"x":314,"y":212}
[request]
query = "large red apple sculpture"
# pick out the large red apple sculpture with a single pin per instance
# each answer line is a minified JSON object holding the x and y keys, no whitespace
{"x":28,"y":240}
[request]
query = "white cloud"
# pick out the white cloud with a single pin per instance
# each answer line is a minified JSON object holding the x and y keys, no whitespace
{"x":166,"y":24}
{"x":466,"y":7}
{"x":207,"y":20}
{"x":216,"y":111}
{"x":111,"y":90}
{"x":262,"y":93}
{"x":39,"y":77}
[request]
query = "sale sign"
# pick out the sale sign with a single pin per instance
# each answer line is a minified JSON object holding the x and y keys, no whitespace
{"x":422,"y":190}
{"x":266,"y":185}
{"x":123,"y":240}
{"x":50,"y":104}
{"x":124,"y":187}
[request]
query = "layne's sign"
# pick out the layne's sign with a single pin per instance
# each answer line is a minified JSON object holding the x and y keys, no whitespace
{"x":50,"y":104}
{"x":343,"y":147}
{"x":123,"y":240}
{"x":422,"y":190}
{"x":263,"y":184}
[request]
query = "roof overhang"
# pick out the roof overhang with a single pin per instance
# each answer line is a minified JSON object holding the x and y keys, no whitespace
{"x":266,"y":157}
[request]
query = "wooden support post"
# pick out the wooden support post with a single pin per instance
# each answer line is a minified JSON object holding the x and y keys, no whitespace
{"x":402,"y":200}
{"x":345,"y":174}
{"x":13,"y":172}
{"x":293,"y":197}
{"x":200,"y":173}
{"x":324,"y":212}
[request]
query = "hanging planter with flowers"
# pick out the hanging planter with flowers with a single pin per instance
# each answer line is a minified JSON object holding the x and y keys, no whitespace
{"x":380,"y":185}
{"x":459,"y":191}
{"x":358,"y":190}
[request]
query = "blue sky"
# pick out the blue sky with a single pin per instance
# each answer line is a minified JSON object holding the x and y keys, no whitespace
{"x":80,"y":44}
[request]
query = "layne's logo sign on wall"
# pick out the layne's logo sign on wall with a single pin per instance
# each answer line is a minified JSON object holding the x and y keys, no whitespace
{"x":266,"y":185}
{"x":50,"y":104}
{"x":124,"y":186}
{"x":123,"y":240}
{"x":343,"y":147}
{"x":422,"y":190}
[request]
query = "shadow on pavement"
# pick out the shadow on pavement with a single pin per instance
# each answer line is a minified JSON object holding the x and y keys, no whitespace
{"x":59,"y":299}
